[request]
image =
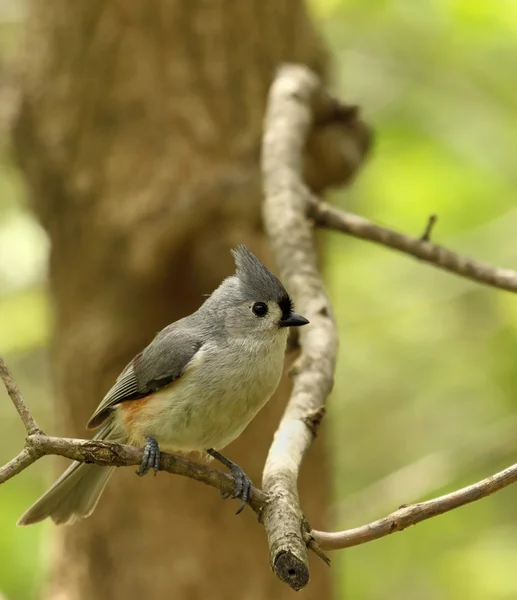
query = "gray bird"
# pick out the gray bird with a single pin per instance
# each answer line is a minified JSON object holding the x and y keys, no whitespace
{"x":195,"y":387}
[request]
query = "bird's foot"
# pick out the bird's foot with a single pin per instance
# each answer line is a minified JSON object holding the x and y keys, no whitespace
{"x":151,"y":457}
{"x":243,"y":485}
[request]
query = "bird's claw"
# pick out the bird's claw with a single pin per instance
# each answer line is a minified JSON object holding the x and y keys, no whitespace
{"x":151,"y":457}
{"x":243,"y":487}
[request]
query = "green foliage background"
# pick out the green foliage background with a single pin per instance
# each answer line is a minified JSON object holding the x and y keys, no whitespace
{"x":425,"y":395}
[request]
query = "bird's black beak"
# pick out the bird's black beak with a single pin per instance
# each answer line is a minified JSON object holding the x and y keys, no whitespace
{"x":293,"y":320}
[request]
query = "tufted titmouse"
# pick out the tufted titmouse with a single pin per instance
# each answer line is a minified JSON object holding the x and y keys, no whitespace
{"x":195,"y":387}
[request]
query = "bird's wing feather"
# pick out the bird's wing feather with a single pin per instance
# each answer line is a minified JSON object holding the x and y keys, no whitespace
{"x":161,"y":363}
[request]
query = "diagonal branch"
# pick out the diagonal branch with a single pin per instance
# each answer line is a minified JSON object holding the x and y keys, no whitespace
{"x":412,"y":514}
{"x":19,"y":463}
{"x":329,"y":217}
{"x":14,"y":393}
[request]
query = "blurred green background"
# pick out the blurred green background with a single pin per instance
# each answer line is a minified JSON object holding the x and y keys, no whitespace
{"x":425,"y":393}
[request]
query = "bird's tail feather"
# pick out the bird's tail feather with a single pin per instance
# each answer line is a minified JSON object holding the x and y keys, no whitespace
{"x":75,"y":494}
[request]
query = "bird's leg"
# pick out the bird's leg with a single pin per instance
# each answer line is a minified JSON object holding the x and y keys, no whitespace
{"x":243,"y":485}
{"x":151,"y":457}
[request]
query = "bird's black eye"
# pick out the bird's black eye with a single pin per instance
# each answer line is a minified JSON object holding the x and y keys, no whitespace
{"x":260,"y":309}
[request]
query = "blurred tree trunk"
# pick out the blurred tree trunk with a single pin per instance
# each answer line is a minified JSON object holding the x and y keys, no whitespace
{"x":139,"y":133}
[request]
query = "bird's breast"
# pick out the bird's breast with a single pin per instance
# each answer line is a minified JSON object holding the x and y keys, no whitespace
{"x":221,"y":391}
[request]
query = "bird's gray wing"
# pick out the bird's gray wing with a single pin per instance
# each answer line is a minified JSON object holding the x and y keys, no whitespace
{"x":161,"y":363}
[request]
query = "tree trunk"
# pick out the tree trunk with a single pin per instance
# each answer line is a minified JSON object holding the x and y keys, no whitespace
{"x":139,"y":132}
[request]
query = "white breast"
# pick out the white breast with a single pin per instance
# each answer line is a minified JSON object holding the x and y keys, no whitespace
{"x":221,"y":391}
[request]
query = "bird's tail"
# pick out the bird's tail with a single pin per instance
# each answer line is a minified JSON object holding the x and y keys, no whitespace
{"x":75,"y":494}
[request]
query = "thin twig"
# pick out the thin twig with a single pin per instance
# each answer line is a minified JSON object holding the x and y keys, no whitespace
{"x":431,"y":222}
{"x":359,"y":227}
{"x":434,"y":471}
{"x":14,"y":393}
{"x":415,"y":513}
{"x":287,"y":124}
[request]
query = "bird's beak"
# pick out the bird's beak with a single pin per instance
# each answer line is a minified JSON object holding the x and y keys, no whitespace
{"x":293,"y":320}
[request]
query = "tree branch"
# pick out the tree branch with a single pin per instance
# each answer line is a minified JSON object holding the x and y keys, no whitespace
{"x":19,"y":463}
{"x":107,"y":454}
{"x":329,"y":217}
{"x":416,"y":513}
{"x":104,"y":454}
{"x":296,"y":106}
{"x":288,"y":121}
{"x":434,"y":471}
{"x":14,"y":393}
{"x":110,"y":454}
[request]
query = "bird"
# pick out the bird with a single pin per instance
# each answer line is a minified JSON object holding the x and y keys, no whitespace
{"x":194,"y":388}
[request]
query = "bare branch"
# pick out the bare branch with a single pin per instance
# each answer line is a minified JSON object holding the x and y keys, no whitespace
{"x":102,"y":453}
{"x":415,"y":513}
{"x":109,"y":454}
{"x":19,"y":463}
{"x":296,"y":106}
{"x":14,"y":393}
{"x":329,"y":217}
{"x":435,"y":471}
{"x":288,"y":122}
